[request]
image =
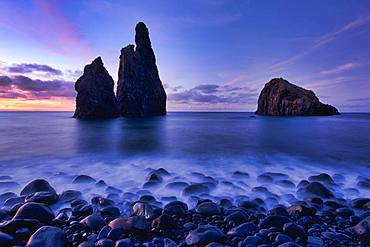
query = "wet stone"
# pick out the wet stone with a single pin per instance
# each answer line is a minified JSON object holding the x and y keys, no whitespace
{"x":83,"y":179}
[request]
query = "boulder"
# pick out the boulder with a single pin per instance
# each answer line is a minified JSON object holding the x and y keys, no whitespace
{"x":47,"y":236}
{"x":140,"y":92}
{"x":35,"y":211}
{"x":94,"y":222}
{"x":95,"y":96}
{"x":204,"y":235}
{"x":282,"y":98}
{"x":38,"y":185}
{"x":6,"y":240}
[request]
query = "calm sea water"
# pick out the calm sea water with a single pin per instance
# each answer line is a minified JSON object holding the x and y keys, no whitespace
{"x":45,"y":144}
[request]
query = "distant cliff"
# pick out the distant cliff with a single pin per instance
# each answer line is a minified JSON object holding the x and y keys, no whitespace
{"x":282,"y":98}
{"x":95,"y":95}
{"x":140,"y":91}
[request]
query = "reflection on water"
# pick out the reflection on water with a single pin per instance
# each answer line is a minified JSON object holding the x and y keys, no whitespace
{"x":186,"y":135}
{"x":121,"y":151}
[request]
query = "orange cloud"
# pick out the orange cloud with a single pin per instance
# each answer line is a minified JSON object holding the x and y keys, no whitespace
{"x":52,"y":104}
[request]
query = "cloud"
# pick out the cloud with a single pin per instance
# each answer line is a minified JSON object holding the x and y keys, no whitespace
{"x":24,"y":87}
{"x":33,"y":67}
{"x":214,"y":94}
{"x":340,"y":69}
{"x":323,"y":40}
{"x":45,"y":22}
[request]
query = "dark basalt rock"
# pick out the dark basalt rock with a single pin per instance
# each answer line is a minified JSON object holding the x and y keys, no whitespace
{"x":47,"y":236}
{"x":37,"y":185}
{"x":36,"y":211}
{"x":140,"y":91}
{"x":95,"y":96}
{"x":281,"y":98}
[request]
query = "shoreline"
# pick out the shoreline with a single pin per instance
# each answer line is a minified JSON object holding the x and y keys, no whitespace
{"x":123,"y":218}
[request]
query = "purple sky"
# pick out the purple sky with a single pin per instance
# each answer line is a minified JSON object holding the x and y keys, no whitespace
{"x":212,"y":55}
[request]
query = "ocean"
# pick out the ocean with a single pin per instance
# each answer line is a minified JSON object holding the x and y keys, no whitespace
{"x":122,"y":151}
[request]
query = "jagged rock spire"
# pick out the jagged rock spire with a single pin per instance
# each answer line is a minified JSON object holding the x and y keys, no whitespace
{"x":140,"y":91}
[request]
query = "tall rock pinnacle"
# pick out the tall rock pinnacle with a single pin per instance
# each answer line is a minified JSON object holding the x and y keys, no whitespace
{"x":140,"y":91}
{"x":95,"y":96}
{"x":282,"y":98}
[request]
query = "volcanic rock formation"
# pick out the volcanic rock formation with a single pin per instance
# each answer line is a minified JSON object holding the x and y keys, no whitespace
{"x":282,"y":98}
{"x":140,"y":91}
{"x":95,"y":96}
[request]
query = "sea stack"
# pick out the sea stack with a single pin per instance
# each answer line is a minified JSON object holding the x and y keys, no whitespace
{"x":282,"y":98}
{"x":140,"y":92}
{"x":95,"y":95}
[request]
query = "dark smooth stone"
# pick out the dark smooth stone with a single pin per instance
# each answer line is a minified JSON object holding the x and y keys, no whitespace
{"x":154,"y":177}
{"x":335,"y":236}
{"x":103,"y":232}
{"x":359,"y":202}
{"x":208,"y":208}
{"x":111,"y":189}
{"x":100,"y":183}
{"x":115,"y":234}
{"x":101,"y":201}
{"x":70,"y":195}
{"x":204,"y":235}
{"x":5,"y":196}
{"x":82,"y":210}
{"x":302,"y":184}
{"x":316,"y":189}
{"x":94,"y":222}
{"x":37,"y":185}
{"x":175,"y":208}
{"x":83,"y":179}
{"x":251,"y":241}
{"x":286,"y":183}
{"x":43,"y":197}
{"x":298,"y":211}
{"x":362,"y":230}
{"x":314,"y":241}
{"x":323,"y":177}
{"x":177,"y":185}
{"x":110,"y":211}
{"x":344,"y":212}
{"x":282,"y":238}
{"x":6,"y":240}
{"x":134,"y":224}
{"x":14,"y":225}
{"x":295,"y":231}
{"x":123,"y":243}
{"x":240,"y":174}
{"x":36,"y":211}
{"x":47,"y":236}
{"x":225,"y":203}
{"x":10,"y":202}
{"x":278,"y":210}
{"x":147,"y":198}
{"x":314,"y":200}
{"x":243,"y":230}
{"x":164,"y":221}
{"x":238,"y":217}
{"x":195,"y":189}
{"x":274,"y":221}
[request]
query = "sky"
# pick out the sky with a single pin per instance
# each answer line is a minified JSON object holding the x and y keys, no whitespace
{"x":212,"y":55}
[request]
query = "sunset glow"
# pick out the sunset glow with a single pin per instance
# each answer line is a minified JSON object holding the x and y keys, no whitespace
{"x":212,"y":55}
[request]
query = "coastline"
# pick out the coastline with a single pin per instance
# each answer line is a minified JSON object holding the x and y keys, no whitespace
{"x":315,"y":215}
